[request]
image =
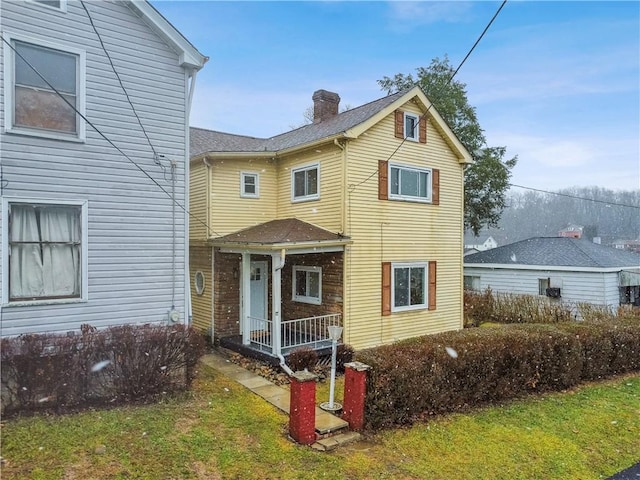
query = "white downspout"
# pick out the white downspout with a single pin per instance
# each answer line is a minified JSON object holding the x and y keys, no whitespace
{"x":187,"y":155}
{"x":277,"y":305}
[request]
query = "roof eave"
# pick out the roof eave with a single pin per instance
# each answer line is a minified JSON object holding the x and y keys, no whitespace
{"x":281,"y":245}
{"x":506,"y":266}
{"x":189,"y":56}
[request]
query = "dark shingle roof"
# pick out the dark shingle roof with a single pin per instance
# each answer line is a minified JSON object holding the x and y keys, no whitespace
{"x":287,"y":230}
{"x":556,"y":251}
{"x":203,"y":141}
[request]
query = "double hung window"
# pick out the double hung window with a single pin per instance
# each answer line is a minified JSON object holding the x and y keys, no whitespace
{"x":307,"y":284}
{"x":305,"y":183}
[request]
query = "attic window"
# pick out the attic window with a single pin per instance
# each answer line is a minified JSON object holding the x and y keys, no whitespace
{"x":411,"y":127}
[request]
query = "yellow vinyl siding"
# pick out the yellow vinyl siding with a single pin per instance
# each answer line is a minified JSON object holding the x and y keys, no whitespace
{"x":397,"y":231}
{"x":326,"y":211}
{"x":197,"y":202}
{"x":200,"y":260}
{"x":229,"y":211}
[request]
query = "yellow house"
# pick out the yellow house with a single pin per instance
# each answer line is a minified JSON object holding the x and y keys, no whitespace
{"x":354,"y":220}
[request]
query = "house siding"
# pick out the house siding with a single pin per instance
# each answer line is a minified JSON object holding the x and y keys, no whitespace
{"x":396,"y":231}
{"x":200,"y":260}
{"x":598,"y":288}
{"x":198,"y":180}
{"x":132,"y":224}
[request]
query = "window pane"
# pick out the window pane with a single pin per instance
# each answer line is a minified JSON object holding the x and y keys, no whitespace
{"x":51,"y":3}
{"x":299,"y":184}
{"x":417,"y":286}
{"x":424,"y":178}
{"x":314,"y":284}
{"x":301,"y":283}
{"x":312,"y":181}
{"x":59,"y":68}
{"x":409,"y":183}
{"x":401,"y":287}
{"x":395,"y":180}
{"x":250,"y":184}
{"x":409,"y":126}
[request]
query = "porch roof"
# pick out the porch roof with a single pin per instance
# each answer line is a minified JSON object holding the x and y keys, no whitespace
{"x":283,"y":233}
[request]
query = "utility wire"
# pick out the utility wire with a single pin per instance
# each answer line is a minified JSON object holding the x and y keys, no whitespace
{"x":416,"y":125}
{"x":107,"y":139}
{"x":560,"y":194}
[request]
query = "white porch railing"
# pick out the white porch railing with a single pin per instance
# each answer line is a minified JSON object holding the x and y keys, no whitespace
{"x":301,"y":332}
{"x":309,"y":332}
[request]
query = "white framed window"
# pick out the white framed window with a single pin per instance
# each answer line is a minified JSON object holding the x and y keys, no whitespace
{"x":199,"y":282}
{"x":45,"y":251}
{"x":32,"y":107}
{"x":543,"y":284}
{"x":305,"y":183}
{"x":472,"y":282}
{"x":55,"y":4}
{"x":409,"y":286}
{"x":410,"y":183}
{"x":249,"y":185}
{"x":411,"y":127}
{"x":307,"y":284}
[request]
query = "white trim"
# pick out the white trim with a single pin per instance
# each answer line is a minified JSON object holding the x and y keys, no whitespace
{"x":416,"y":130}
{"x":62,"y":8}
{"x":306,"y":298}
{"x":305,"y":168}
{"x":256,"y":176}
{"x":290,"y":247}
{"x":84,"y":288}
{"x":421,"y":306}
{"x":409,"y":198}
{"x":9,"y":77}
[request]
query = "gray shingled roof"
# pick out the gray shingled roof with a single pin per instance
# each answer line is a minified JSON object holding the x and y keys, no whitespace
{"x":556,"y":251}
{"x":203,"y":141}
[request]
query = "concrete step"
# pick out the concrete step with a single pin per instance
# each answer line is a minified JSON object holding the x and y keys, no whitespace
{"x":331,"y":443}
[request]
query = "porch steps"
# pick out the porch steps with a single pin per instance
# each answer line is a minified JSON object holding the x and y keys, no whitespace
{"x":326,"y":423}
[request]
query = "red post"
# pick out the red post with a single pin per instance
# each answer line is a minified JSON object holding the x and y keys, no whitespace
{"x":355,"y":389}
{"x":302,"y":410}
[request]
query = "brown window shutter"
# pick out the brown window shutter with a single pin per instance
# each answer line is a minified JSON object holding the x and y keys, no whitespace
{"x":435,"y":186}
{"x":423,"y":129}
{"x":399,"y":124}
{"x":432,"y":285}
{"x":383,"y":180}
{"x":386,"y":288}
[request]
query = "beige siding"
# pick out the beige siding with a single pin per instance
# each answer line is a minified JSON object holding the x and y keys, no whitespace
{"x":200,"y":260}
{"x":229,"y":211}
{"x":326,"y":211}
{"x":198,"y":202}
{"x":395,"y":231}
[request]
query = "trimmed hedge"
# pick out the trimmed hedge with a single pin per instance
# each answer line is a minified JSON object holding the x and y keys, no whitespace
{"x":455,"y":371}
{"x":118,"y":364}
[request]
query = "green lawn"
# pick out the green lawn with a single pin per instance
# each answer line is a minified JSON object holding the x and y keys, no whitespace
{"x":222,"y":431}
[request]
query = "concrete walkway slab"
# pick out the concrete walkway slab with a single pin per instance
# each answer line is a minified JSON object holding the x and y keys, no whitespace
{"x":277,"y":396}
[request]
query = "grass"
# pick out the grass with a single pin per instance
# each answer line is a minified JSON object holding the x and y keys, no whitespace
{"x":222,"y":431}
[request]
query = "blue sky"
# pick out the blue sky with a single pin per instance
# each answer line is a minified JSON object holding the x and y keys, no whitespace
{"x":556,"y":82}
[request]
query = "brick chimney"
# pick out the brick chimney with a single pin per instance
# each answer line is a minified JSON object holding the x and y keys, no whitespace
{"x":325,"y":105}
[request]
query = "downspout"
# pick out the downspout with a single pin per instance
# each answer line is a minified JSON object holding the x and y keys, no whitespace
{"x":187,"y":280}
{"x":207,"y":207}
{"x":283,"y":363}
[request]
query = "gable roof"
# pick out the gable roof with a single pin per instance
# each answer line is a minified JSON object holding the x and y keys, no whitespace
{"x":556,"y":251}
{"x":190,"y":57}
{"x":348,"y":124}
{"x":280,"y":232}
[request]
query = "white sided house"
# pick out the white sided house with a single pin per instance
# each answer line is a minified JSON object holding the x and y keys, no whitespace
{"x":95,"y":101}
{"x":564,"y":269}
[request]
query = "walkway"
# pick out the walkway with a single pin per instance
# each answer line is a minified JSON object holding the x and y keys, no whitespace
{"x":326,"y":423}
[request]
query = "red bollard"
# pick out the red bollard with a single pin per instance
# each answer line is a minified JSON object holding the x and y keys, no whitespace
{"x":355,"y":389}
{"x":302,"y":409}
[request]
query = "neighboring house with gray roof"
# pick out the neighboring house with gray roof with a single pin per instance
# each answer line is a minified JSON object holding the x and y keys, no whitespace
{"x":564,"y":269}
{"x":353,"y":220}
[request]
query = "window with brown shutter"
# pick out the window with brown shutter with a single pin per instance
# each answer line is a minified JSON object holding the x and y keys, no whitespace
{"x":399,"y":129}
{"x":383,"y":180}
{"x":386,"y":288}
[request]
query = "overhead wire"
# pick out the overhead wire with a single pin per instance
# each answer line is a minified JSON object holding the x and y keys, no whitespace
{"x":577,"y":197}
{"x":107,"y":139}
{"x":416,"y":124}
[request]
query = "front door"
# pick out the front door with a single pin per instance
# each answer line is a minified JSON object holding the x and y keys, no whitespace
{"x":258,"y":286}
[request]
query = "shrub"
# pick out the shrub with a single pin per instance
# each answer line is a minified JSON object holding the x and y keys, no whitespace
{"x":455,"y":371}
{"x":302,"y":358}
{"x":344,"y":354}
{"x":115,"y":364}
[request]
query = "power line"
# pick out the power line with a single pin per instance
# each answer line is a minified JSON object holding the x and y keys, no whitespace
{"x":107,"y":139}
{"x":560,"y":194}
{"x":416,"y":124}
